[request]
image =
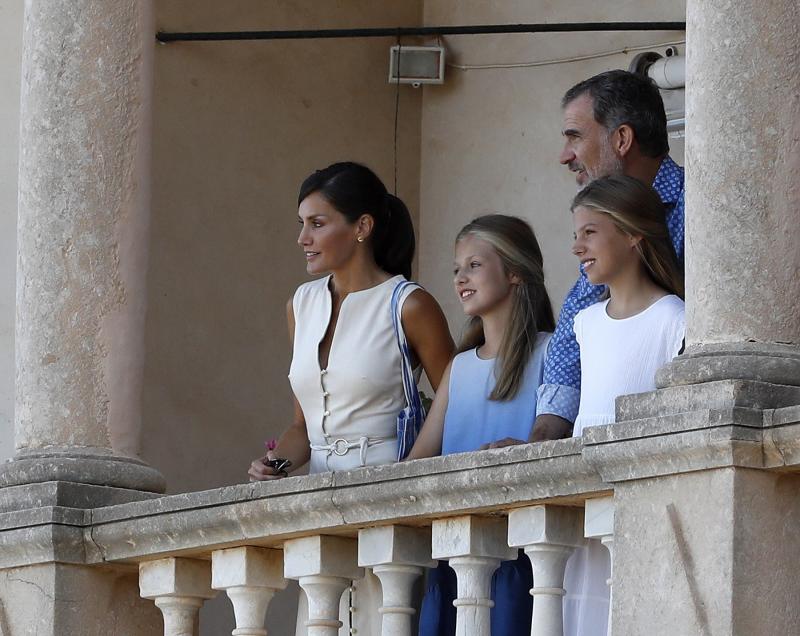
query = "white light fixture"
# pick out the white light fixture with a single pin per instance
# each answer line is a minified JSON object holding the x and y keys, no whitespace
{"x":416,"y":65}
{"x":669,"y":74}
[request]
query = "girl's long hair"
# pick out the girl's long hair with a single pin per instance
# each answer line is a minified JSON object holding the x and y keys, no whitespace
{"x":637,"y":210}
{"x":516,"y":245}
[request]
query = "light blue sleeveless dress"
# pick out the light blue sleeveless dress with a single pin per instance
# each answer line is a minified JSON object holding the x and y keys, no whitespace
{"x":471,"y":420}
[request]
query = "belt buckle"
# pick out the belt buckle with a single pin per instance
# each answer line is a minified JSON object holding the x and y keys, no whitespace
{"x":340,"y":447}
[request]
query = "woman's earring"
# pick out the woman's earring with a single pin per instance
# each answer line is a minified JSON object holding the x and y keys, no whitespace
{"x":360,"y":239}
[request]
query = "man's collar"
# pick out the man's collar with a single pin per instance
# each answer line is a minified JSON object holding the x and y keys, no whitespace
{"x":668,"y":172}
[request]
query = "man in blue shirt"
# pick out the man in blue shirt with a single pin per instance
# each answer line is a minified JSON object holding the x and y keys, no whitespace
{"x":614,"y":123}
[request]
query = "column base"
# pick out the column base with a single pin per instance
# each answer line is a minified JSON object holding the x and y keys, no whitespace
{"x":756,"y":361}
{"x":30,"y":467}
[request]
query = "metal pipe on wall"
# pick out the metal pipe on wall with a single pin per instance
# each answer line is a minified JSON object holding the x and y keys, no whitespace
{"x":307,"y":34}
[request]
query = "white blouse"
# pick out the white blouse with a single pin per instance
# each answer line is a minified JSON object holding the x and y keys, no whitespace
{"x":621,"y":356}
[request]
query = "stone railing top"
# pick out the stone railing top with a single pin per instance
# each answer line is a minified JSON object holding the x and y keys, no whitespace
{"x":267,"y":513}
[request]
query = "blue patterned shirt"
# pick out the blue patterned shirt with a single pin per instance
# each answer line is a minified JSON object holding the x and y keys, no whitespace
{"x":560,"y":392}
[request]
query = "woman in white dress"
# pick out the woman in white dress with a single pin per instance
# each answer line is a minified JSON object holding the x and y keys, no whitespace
{"x":346,"y":364}
{"x":622,"y":241}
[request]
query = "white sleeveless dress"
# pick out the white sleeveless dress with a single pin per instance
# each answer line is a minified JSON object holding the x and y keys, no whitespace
{"x":351,"y":406}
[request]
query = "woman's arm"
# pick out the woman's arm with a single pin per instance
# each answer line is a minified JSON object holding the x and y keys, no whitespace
{"x":293,"y":443}
{"x":428,"y":334}
{"x":429,"y":441}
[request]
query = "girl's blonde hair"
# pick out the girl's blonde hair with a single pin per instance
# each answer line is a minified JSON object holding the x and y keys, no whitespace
{"x":637,"y":210}
{"x":516,"y":245}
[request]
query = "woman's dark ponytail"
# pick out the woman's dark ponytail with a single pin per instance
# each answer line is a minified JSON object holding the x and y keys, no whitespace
{"x":354,"y":189}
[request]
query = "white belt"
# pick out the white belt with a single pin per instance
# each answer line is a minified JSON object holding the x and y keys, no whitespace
{"x":342,"y":446}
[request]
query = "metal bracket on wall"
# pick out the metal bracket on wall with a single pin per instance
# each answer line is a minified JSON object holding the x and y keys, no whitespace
{"x":396,"y":32}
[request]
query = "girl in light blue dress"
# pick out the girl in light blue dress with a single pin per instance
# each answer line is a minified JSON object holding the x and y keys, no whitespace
{"x":488,"y":392}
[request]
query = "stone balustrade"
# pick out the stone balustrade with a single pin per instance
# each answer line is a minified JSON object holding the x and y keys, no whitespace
{"x":474,"y":510}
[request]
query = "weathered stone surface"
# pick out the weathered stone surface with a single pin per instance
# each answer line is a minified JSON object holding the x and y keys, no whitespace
{"x":45,"y":539}
{"x":81,"y":468}
{"x":270,"y":512}
{"x":707,"y":553}
{"x":782,"y":437}
{"x":470,"y":536}
{"x":66,"y":494}
{"x":82,"y":240}
{"x":395,"y":545}
{"x":742,"y":173}
{"x":321,"y":555}
{"x":684,"y":442}
{"x":71,"y":600}
{"x":175,"y":577}
{"x":546,"y":524}
{"x":760,"y":362}
{"x":712,"y":396}
{"x":247,"y":566}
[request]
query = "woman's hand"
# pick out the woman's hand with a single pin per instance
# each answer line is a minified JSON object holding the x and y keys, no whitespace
{"x":260,"y":471}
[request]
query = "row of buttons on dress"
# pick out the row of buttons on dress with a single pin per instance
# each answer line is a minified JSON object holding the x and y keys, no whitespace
{"x":325,"y":394}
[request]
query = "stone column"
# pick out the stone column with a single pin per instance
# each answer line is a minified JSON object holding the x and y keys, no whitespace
{"x":742,"y":194}
{"x":84,"y":199}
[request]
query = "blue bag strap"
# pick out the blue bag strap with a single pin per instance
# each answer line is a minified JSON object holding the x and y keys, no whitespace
{"x":409,"y":385}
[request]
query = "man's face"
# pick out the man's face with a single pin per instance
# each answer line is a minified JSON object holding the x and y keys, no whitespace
{"x":588,"y":151}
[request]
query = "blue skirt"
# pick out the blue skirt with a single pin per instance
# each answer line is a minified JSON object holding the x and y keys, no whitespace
{"x":513,"y":603}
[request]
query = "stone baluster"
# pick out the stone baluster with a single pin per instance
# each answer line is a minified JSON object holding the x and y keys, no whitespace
{"x":474,"y":546}
{"x":599,"y":524}
{"x":324,"y":567}
{"x":397,"y":556}
{"x":250,"y":576}
{"x":549,"y":535}
{"x":179,"y":588}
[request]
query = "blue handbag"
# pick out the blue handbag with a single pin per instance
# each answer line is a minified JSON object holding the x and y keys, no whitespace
{"x":410,"y":419}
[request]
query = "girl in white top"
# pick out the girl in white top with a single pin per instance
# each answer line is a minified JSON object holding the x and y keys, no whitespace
{"x":622,"y":242}
{"x":346,"y":372}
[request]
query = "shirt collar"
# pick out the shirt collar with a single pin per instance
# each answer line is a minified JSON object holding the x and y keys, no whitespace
{"x":668,"y":172}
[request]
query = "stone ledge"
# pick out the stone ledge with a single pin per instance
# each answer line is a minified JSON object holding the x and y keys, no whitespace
{"x":684,"y":442}
{"x":66,"y":494}
{"x":408,"y":493}
{"x":47,"y":543}
{"x":782,"y":437}
{"x":719,"y":395}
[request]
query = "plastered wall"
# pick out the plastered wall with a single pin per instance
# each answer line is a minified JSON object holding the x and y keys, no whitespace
{"x":491,"y":138}
{"x":11,"y":56}
{"x":237,"y":127}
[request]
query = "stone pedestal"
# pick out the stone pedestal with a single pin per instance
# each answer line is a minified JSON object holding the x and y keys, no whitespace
{"x":82,"y":244}
{"x":74,"y":600}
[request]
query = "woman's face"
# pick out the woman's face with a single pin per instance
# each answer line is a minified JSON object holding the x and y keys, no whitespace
{"x":480,"y":280}
{"x":601,"y":247}
{"x":327,"y":238}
